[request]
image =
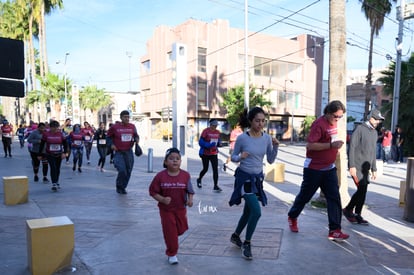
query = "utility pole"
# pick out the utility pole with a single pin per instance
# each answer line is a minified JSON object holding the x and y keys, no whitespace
{"x":246,"y":57}
{"x":337,"y":82}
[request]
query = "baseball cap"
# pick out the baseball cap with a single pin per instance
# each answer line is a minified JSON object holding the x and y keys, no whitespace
{"x":376,"y":114}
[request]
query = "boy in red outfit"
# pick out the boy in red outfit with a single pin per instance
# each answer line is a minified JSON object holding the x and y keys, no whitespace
{"x":173,"y":190}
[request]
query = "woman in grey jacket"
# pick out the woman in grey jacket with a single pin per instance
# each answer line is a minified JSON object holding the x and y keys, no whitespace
{"x":34,"y":139}
{"x":249,"y":150}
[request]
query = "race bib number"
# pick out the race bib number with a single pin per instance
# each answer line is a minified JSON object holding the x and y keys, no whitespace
{"x":54,"y":147}
{"x":77,"y":142}
{"x":126,"y":137}
{"x":102,"y":141}
{"x":87,"y":138}
{"x":6,"y":135}
{"x":214,"y":140}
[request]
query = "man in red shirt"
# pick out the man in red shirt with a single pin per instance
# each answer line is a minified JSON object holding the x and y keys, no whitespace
{"x":320,"y":171}
{"x":122,"y":137}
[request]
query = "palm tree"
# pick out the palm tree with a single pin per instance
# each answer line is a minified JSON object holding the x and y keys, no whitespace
{"x":93,"y":98}
{"x":47,"y":6}
{"x":375,"y":11}
{"x":406,"y":113}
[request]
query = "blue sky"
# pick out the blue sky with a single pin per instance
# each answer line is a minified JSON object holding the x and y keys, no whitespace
{"x":98,"y":33}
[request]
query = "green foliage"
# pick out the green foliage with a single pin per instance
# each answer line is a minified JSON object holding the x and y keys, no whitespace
{"x":306,"y":125}
{"x":350,"y":119}
{"x":233,"y":101}
{"x":406,"y":111}
{"x":93,"y":98}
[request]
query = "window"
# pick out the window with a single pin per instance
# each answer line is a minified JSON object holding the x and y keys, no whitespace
{"x":202,"y":59}
{"x":146,"y":66}
{"x":146,"y":94}
{"x":169,"y":60}
{"x":202,"y":92}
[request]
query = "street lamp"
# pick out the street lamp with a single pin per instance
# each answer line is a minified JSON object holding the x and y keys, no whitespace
{"x":129,"y":54}
{"x":66,"y":89}
{"x":291,"y":81}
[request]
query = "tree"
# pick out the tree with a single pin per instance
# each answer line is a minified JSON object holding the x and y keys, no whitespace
{"x":233,"y":101}
{"x":375,"y":11}
{"x":93,"y":98}
{"x":406,"y":111}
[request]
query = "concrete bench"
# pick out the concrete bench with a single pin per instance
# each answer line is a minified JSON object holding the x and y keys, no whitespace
{"x":50,"y":244}
{"x":275,"y":172}
{"x":16,"y":190}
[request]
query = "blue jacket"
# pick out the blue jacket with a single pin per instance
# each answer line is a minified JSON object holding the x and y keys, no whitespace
{"x":257,"y":186}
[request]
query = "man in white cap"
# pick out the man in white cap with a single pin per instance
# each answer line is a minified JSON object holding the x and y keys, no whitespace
{"x":362,"y":163}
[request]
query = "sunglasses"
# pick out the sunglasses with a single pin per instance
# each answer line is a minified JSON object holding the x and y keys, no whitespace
{"x":335,"y":116}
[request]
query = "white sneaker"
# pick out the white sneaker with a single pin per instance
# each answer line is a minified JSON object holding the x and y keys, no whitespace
{"x":173,"y":260}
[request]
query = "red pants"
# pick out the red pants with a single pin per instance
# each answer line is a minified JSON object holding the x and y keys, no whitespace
{"x":174,"y":224}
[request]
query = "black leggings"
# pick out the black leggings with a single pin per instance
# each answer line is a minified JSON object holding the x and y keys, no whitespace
{"x":214,"y":164}
{"x":36,"y":163}
{"x":7,"y":145}
{"x":54,"y":162}
{"x":358,"y":198}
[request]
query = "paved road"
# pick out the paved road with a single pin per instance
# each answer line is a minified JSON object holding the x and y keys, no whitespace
{"x":121,"y":234}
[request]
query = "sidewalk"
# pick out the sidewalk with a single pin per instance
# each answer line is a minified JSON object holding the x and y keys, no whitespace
{"x":121,"y":234}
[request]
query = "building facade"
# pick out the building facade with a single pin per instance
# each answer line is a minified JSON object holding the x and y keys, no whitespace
{"x":291,"y":68}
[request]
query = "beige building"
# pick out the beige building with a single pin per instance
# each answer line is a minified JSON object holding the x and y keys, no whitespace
{"x":291,"y":68}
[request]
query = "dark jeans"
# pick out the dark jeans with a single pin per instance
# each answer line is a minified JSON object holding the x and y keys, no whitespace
{"x":123,"y":162}
{"x":102,"y":150}
{"x":328,"y":182}
{"x":88,"y":149}
{"x":214,"y":165}
{"x":54,"y":162}
{"x":77,"y":156}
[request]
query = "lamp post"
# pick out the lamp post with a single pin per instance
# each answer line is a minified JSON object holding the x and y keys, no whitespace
{"x":129,"y":54}
{"x":291,"y":81}
{"x":66,"y":89}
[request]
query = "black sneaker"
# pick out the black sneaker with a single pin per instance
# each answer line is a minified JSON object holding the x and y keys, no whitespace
{"x":361,"y":220}
{"x":45,"y":180}
{"x":73,"y":168}
{"x":80,"y":170}
{"x":236,"y":240}
{"x":36,"y":178}
{"x":246,"y":251}
{"x":199,"y":183}
{"x":224,"y":167}
{"x":54,"y":187}
{"x":217,"y":189}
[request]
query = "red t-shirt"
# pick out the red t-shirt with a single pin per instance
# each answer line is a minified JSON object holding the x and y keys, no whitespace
{"x":386,"y":141}
{"x":175,"y":187}
{"x":123,"y":135}
{"x":7,"y":131}
{"x":54,"y":142}
{"x":210,"y":135}
{"x":88,"y":133}
{"x":323,"y":132}
{"x":76,"y":139}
